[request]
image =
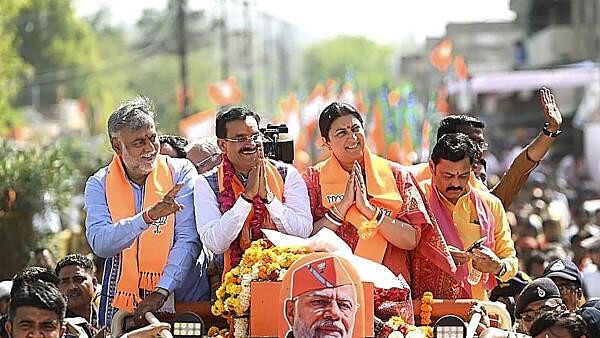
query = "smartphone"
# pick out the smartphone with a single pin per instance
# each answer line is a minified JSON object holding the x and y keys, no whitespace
{"x":477,"y":244}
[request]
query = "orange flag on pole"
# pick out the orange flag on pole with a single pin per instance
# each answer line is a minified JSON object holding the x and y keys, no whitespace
{"x":441,"y":56}
{"x":198,"y":125}
{"x":460,"y":67}
{"x":376,"y":138}
{"x":222,"y":93}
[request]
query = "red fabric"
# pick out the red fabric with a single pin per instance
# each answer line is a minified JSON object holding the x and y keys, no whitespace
{"x":429,"y":267}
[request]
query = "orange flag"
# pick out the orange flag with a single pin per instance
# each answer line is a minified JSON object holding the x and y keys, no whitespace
{"x":376,"y":138}
{"x":441,"y":56}
{"x":198,"y":125}
{"x":460,"y":67}
{"x":407,"y":152}
{"x":425,"y":138}
{"x":222,"y":93}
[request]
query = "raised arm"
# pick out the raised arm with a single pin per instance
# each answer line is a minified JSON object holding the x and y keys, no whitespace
{"x":515,"y":177}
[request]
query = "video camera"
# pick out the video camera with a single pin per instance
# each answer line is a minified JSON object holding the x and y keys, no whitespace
{"x":276,"y":145}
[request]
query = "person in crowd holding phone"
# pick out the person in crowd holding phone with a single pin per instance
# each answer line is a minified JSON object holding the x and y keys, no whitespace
{"x":469,"y":218}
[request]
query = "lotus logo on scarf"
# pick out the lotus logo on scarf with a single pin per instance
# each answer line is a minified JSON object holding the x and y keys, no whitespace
{"x":158,"y":223}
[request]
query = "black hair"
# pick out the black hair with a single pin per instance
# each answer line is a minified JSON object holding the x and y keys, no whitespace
{"x":536,"y":257}
{"x":451,"y":123}
{"x":37,"y":294}
{"x":332,"y":112}
{"x":77,"y":260}
{"x":230,"y":114}
{"x":33,"y":274}
{"x":567,"y":320}
{"x":454,"y":147}
{"x":177,"y":142}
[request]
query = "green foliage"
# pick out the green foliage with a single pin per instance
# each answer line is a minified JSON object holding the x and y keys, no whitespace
{"x":40,"y":176}
{"x":331,"y":59}
{"x":60,"y":46}
{"x":203,"y":70}
{"x":12,"y":67}
{"x":87,"y":155}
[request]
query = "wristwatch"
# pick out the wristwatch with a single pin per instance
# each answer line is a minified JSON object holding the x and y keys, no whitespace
{"x":549,"y":133}
{"x":269,"y":198}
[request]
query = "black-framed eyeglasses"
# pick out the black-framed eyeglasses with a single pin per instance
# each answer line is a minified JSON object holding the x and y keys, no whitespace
{"x":256,"y":138}
{"x":210,"y":158}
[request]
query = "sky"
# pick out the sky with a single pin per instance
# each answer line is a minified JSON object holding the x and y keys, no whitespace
{"x":385,"y":21}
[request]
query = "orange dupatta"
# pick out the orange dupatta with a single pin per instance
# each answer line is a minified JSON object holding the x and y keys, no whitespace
{"x":140,"y":271}
{"x":381,"y":187}
{"x":275,"y":184}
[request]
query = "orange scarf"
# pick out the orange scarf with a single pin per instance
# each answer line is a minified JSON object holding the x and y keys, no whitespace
{"x":382,"y":192}
{"x":140,"y":270}
{"x":275,"y":184}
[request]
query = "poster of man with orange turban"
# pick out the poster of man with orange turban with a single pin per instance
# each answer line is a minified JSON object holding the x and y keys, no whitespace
{"x":321,"y":296}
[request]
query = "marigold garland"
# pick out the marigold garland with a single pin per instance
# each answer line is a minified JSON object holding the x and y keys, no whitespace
{"x":260,"y":262}
{"x":396,"y":327}
{"x":426,"y":308}
{"x":367,"y":229}
{"x":216,"y":332}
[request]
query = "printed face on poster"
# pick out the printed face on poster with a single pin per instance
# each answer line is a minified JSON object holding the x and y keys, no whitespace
{"x":321,"y":296}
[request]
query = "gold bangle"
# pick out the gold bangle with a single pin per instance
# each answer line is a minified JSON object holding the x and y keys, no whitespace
{"x":337,"y":212}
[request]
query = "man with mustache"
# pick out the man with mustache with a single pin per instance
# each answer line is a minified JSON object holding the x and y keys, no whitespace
{"x":76,"y":281}
{"x":140,"y":216}
{"x":466,"y":215}
{"x":528,"y":159}
{"x":322,"y":298}
{"x":247,"y":192}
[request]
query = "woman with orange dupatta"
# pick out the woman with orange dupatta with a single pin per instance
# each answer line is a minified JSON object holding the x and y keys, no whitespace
{"x":376,"y":207}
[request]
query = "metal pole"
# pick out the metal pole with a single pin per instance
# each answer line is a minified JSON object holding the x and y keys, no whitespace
{"x":249,"y":62}
{"x":182,"y":51}
{"x":224,"y":41}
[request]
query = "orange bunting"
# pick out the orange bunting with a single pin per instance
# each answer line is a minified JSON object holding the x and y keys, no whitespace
{"x":441,"y":56}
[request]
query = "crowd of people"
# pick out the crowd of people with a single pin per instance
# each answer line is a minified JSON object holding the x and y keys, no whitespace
{"x":172,"y":217}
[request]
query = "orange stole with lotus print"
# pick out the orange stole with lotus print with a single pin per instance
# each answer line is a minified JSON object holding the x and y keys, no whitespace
{"x":383,"y":192}
{"x":140,"y":271}
{"x":276,"y":185}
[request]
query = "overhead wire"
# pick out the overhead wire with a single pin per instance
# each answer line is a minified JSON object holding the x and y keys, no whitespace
{"x":70,"y":73}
